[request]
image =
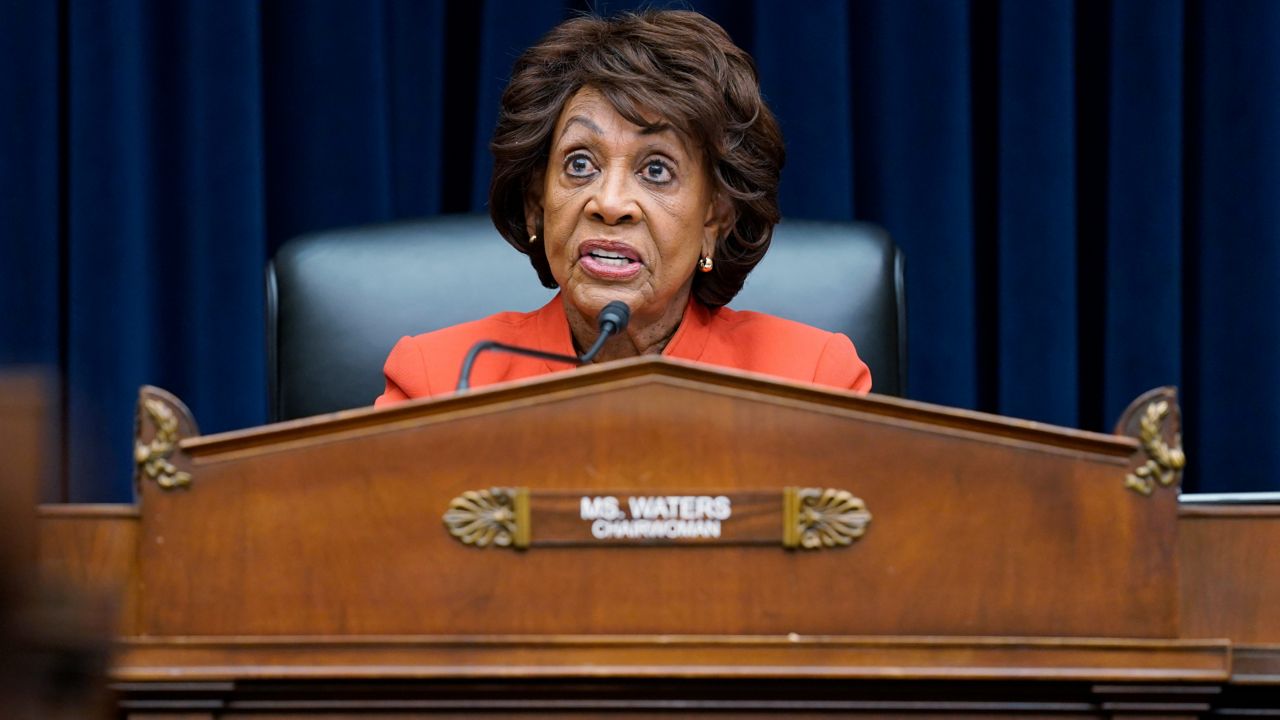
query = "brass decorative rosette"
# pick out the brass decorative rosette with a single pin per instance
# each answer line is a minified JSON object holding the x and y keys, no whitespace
{"x":496,"y":517}
{"x":815,"y":518}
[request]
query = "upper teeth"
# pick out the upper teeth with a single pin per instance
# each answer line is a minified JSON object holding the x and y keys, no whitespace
{"x":608,"y":254}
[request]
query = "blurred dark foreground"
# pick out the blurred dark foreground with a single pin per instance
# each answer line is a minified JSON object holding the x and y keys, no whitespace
{"x":54,"y":642}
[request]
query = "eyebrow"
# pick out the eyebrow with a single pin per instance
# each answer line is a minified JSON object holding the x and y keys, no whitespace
{"x":585,"y":121}
{"x":657,"y":128}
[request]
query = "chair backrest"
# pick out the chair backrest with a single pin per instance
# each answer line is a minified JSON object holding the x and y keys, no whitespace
{"x":338,"y":300}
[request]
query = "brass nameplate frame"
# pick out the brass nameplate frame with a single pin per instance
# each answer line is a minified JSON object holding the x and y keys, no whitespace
{"x":520,"y":518}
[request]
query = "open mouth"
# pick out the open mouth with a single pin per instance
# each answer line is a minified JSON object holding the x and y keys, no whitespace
{"x":611,"y":259}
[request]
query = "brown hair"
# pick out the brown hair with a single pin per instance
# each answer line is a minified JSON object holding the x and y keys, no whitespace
{"x":677,"y":64}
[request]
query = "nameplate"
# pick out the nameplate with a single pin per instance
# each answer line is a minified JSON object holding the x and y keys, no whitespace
{"x":791,"y":517}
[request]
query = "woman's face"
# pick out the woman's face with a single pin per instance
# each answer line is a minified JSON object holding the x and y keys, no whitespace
{"x":624,"y":213}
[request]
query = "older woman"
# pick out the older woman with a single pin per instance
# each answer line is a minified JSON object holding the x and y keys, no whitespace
{"x":634,"y":160}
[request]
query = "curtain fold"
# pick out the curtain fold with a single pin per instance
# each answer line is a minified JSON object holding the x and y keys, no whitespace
{"x":818,"y":177}
{"x":1086,"y":191}
{"x":31,"y":307}
{"x":164,"y":212}
{"x":914,"y":133}
{"x":1036,"y":227}
{"x":1143,"y":181}
{"x":1234,"y":255}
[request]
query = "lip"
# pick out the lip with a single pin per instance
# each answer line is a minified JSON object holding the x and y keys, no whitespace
{"x":603,"y":269}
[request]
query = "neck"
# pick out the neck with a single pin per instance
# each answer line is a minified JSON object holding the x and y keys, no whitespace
{"x":643,"y":336}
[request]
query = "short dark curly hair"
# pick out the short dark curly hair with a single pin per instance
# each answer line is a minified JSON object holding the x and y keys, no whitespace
{"x":677,"y":64}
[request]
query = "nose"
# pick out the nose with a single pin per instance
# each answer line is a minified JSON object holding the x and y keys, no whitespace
{"x":614,"y":201}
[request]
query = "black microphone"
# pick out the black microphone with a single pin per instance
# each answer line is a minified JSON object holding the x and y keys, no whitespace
{"x":612,"y":320}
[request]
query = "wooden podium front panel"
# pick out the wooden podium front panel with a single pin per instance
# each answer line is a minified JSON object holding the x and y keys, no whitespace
{"x":1230,"y":571}
{"x":335,"y":527}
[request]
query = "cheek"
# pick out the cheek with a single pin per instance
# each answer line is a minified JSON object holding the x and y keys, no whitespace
{"x":558,"y":215}
{"x":692,"y":229}
{"x":558,"y":259}
{"x":563,"y":205}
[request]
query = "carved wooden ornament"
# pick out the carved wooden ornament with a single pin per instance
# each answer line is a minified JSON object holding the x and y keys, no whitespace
{"x":1156,"y":421}
{"x":157,"y":429}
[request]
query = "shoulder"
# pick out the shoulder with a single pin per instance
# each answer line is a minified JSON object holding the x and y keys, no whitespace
{"x":758,"y":325}
{"x":428,"y":364}
{"x":786,"y":348}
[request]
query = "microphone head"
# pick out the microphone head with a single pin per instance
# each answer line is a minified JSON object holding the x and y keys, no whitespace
{"x":616,"y":313}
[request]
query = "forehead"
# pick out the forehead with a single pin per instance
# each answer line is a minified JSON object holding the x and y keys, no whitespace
{"x":591,"y":112}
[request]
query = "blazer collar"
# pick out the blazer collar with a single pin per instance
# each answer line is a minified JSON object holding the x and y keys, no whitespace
{"x":553,"y":336}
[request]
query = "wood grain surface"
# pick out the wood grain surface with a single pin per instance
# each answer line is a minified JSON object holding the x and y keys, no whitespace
{"x":916,"y":658}
{"x":330,"y":528}
{"x":1229,"y":558}
{"x":1006,"y":572}
{"x":94,"y":549}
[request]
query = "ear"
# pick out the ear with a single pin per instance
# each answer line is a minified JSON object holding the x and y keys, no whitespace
{"x":533,"y":208}
{"x":719,"y":220}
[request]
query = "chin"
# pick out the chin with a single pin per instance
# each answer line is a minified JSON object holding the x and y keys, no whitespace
{"x":591,"y":299}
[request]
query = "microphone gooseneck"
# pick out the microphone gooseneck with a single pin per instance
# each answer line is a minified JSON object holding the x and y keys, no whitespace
{"x":612,"y":320}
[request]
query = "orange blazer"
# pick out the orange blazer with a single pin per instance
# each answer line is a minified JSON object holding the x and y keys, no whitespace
{"x":428,"y":365}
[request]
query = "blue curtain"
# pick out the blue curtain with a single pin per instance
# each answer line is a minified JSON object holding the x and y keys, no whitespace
{"x":1088,"y":193}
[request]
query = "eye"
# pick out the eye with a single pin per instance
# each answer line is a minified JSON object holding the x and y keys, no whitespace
{"x":579,"y":165}
{"x":657,"y":171}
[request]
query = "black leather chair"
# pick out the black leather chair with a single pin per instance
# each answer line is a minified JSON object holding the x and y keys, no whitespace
{"x":338,"y":300}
